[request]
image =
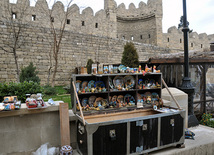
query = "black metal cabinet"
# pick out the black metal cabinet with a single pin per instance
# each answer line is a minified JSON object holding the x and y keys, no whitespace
{"x":171,"y":129}
{"x":143,"y":135}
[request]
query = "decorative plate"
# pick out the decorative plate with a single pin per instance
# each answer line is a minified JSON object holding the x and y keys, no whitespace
{"x":91,"y":84}
{"x":84,"y":102}
{"x":129,"y":81}
{"x":99,"y":84}
{"x":78,"y":82}
{"x":118,"y":81}
{"x":140,"y":81}
{"x":84,"y":84}
{"x":91,"y":101}
{"x":111,"y":83}
{"x":120,"y":99}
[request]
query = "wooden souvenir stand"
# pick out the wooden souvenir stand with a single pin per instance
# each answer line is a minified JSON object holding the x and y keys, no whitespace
{"x":106,"y":127}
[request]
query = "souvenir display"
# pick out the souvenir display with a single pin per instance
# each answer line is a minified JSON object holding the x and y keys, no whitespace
{"x":10,"y":103}
{"x":34,"y":101}
{"x":120,"y":101}
{"x":78,"y":86}
{"x":84,"y":102}
{"x":129,"y":100}
{"x":84,"y":84}
{"x":105,"y":69}
{"x":129,"y":82}
{"x":118,"y":82}
{"x":91,"y":84}
{"x":122,"y":68}
{"x":115,"y":70}
{"x":100,"y":68}
{"x":110,"y":69}
{"x":111,"y":83}
{"x":140,"y":101}
{"x":94,"y":68}
{"x":1,"y":106}
{"x":91,"y":101}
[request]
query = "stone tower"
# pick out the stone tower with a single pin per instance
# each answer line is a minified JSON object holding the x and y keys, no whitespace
{"x":110,"y":9}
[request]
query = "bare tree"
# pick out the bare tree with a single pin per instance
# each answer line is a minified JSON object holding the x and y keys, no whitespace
{"x":57,"y":21}
{"x":14,"y":20}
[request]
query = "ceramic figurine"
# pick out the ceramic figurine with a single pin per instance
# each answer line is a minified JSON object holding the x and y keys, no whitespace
{"x":148,"y":99}
{"x":154,"y":69}
{"x":139,"y":69}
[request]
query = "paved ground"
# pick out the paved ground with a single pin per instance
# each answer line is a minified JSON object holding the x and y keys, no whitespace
{"x":202,"y":145}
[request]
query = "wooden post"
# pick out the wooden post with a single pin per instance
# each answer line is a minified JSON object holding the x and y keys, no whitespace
{"x":171,"y":94}
{"x":64,"y":124}
{"x":81,"y":113}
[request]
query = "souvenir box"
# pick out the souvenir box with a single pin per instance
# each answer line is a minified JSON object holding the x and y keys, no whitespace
{"x":112,"y":122}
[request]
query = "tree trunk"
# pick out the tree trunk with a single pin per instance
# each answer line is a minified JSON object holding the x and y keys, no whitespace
{"x":17,"y":66}
{"x":54,"y":73}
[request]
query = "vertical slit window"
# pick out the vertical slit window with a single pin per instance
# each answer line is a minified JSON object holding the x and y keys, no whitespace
{"x":83,"y":23}
{"x":14,"y":15}
{"x":141,"y":36}
{"x":168,"y":39}
{"x":180,"y":40}
{"x":201,"y":45}
{"x":149,"y":36}
{"x":132,"y":38}
{"x":68,"y":21}
{"x":52,"y":19}
{"x":33,"y":17}
{"x":191,"y":44}
{"x":96,"y":25}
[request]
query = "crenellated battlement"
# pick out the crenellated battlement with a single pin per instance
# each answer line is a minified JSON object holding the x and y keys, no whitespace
{"x":174,"y":39}
{"x":141,"y":12}
{"x":103,"y":23}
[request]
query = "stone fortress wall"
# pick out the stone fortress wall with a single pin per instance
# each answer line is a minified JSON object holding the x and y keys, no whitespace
{"x":100,"y":36}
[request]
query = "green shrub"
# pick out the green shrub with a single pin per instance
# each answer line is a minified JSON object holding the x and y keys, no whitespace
{"x":89,"y":65}
{"x":130,"y":56}
{"x":29,"y":73}
{"x":48,"y":90}
{"x":19,"y":89}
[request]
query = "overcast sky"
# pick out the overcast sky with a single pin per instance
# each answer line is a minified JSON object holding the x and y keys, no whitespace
{"x":200,"y":13}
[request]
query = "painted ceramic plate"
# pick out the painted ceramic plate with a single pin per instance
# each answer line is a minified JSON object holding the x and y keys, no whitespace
{"x":129,"y":81}
{"x":118,"y":81}
{"x":91,"y":84}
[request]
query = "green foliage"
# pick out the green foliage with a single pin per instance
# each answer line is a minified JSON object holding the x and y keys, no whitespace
{"x":19,"y":89}
{"x":89,"y":65}
{"x":130,"y":55}
{"x":61,"y":95}
{"x":48,"y":90}
{"x":29,"y":73}
{"x":206,"y":120}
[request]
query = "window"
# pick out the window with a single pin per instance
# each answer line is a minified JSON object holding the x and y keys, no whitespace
{"x":141,"y":36}
{"x":168,"y":39}
{"x":68,"y":21}
{"x":132,"y":38}
{"x":14,"y":16}
{"x":149,"y":36}
{"x":191,"y":44}
{"x":180,"y":40}
{"x":96,"y":25}
{"x":201,"y":45}
{"x":52,"y":19}
{"x":83,"y":23}
{"x":33,"y":17}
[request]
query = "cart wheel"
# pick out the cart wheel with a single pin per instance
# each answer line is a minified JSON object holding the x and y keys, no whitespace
{"x":180,"y":145}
